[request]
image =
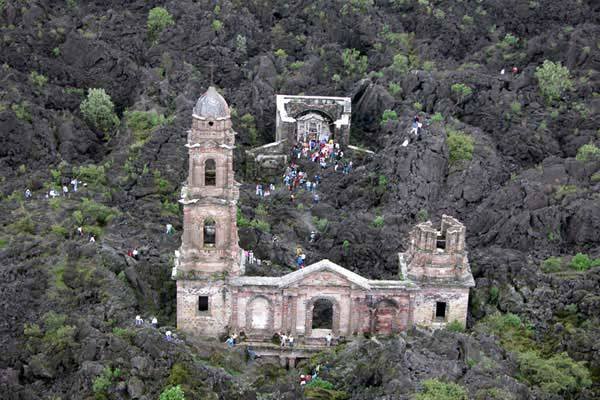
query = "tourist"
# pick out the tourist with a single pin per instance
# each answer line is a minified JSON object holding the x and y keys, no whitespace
{"x":65,"y":190}
{"x":74,"y":182}
{"x":292,"y":198}
{"x":138,"y":320}
{"x":515,"y":70}
{"x":170,"y":229}
{"x":302,"y":380}
{"x":502,"y":71}
{"x":283,"y":340}
{"x":350,"y":166}
{"x":316,"y":198}
{"x":251,"y":354}
{"x":272,"y":187}
{"x":92,"y":239}
{"x":80,"y":230}
{"x":154,"y":322}
{"x":27,"y":193}
{"x":135,"y":254}
{"x":328,"y":339}
{"x":168,"y":336}
{"x":234,"y":337}
{"x":313,"y":236}
{"x":229,"y":342}
{"x":53,"y":193}
{"x":291,"y":340}
{"x":251,"y":257}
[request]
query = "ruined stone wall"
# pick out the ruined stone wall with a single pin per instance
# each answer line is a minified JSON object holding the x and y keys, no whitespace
{"x":211,"y":323}
{"x":424,"y":305}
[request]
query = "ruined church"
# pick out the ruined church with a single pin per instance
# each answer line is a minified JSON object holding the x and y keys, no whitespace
{"x":215,"y":298}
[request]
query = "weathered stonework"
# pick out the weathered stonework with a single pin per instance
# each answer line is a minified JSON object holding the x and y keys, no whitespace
{"x":214,"y":297}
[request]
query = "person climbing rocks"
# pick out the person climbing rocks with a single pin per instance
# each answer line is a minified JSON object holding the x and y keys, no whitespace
{"x":53,"y":193}
{"x":313,"y":236}
{"x":80,"y":230}
{"x":328,"y":339}
{"x":65,"y":190}
{"x":27,"y":193}
{"x":259,"y":190}
{"x":300,"y":262}
{"x":135,"y":253}
{"x":515,"y":70}
{"x":316,"y":198}
{"x":292,"y":197}
{"x":170,"y":229}
{"x":139,"y":320}
{"x":168,"y":336}
{"x":234,"y":337}
{"x":74,"y":182}
{"x":154,"y":322}
{"x":92,"y":239}
{"x":302,"y":380}
{"x":229,"y":342}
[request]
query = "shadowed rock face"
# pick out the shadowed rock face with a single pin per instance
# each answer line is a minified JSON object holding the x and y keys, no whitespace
{"x":523,"y":197}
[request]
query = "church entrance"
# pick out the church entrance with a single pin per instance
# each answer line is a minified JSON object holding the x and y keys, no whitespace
{"x":322,"y":317}
{"x":313,"y":126}
{"x":385,"y":315}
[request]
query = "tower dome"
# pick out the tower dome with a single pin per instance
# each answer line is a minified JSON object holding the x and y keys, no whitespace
{"x":211,"y":105}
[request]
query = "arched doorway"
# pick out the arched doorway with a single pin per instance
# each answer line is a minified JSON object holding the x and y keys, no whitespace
{"x":385,"y":317}
{"x":314,"y":125}
{"x":259,"y":312}
{"x":322,"y":315}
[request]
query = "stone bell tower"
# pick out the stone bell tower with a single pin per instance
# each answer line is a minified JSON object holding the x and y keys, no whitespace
{"x":209,"y":254}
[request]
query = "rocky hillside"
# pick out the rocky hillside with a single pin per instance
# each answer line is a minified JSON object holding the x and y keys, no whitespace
{"x":514,"y":156}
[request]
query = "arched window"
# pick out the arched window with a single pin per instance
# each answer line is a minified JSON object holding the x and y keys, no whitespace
{"x":210,"y":232}
{"x":210,"y":173}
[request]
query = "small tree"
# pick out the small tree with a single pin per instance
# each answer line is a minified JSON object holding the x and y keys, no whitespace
{"x":460,"y":147}
{"x":172,"y":393}
{"x":158,"y":19}
{"x":389,"y":115}
{"x":553,"y":79}
{"x":461,"y":91}
{"x":354,"y":62}
{"x":98,"y":110}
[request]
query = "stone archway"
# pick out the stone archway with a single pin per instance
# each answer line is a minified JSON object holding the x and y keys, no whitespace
{"x":385,"y":317}
{"x":259,"y":315}
{"x":323,"y":306}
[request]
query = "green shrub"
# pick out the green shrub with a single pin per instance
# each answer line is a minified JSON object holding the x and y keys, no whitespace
{"x":281,"y":54}
{"x":170,"y":207}
{"x":439,"y":13}
{"x":179,"y":375}
{"x":158,"y":20}
{"x":38,"y":80}
{"x":60,"y":231}
{"x":320,"y":383}
{"x":346,"y":246}
{"x":552,"y":264}
{"x":104,"y":381}
{"x":434,"y":389}
{"x":93,"y":175}
{"x":96,"y":212}
{"x":553,"y":80}
{"x":389,"y":115}
{"x":515,"y":107}
{"x":588,"y":152}
{"x":583,"y":262}
{"x":248,"y":123}
{"x":172,"y":393}
{"x":142,"y":123}
{"x":21,"y":111}
{"x":23,"y":225}
{"x":56,"y":52}
{"x":417,"y":106}
{"x":78,"y":217}
{"x":296,"y":65}
{"x":460,"y":147}
{"x":509,"y":40}
{"x":217,"y":25}
{"x":564,"y":190}
{"x":260,"y":225}
{"x":428,"y":66}
{"x":57,"y":336}
{"x":422,"y":215}
{"x":467,"y":19}
{"x":379,"y":221}
{"x":395,"y":89}
{"x":461,"y":91}
{"x":400,"y":64}
{"x":98,"y":111}
{"x":321,"y":223}
{"x":437,"y":117}
{"x":353,"y":62}
{"x":124,"y":333}
{"x":494,"y":294}
{"x":455,"y":326}
{"x":558,"y":374}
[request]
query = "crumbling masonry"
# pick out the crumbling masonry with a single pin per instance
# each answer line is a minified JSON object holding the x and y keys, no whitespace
{"x":215,"y":298}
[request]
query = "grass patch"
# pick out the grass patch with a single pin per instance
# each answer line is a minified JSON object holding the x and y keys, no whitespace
{"x":460,"y":147}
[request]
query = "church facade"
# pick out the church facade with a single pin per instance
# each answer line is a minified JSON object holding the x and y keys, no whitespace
{"x":215,"y":298}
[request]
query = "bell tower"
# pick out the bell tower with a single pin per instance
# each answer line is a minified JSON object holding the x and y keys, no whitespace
{"x":209,"y":254}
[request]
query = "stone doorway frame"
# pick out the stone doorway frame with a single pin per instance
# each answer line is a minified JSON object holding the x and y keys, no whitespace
{"x":335,"y":318}
{"x":395,"y":319}
{"x":268,"y":330}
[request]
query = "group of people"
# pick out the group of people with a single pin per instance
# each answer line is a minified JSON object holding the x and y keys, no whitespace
{"x":232,"y":340}
{"x":139,"y":321}
{"x":285,"y":340}
{"x":304,"y":379}
{"x":323,"y":152}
